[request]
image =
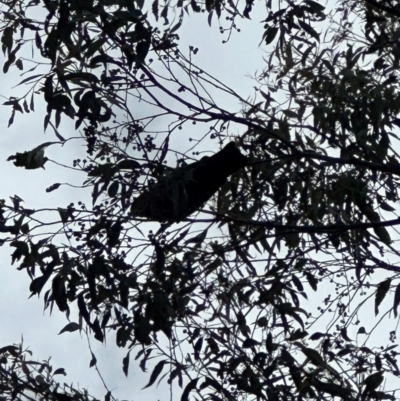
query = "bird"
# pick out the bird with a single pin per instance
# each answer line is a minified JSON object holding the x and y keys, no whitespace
{"x":32,"y":159}
{"x":185,"y":189}
{"x":316,"y":359}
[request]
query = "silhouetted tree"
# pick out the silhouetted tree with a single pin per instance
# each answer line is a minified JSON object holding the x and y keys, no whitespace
{"x":301,"y":197}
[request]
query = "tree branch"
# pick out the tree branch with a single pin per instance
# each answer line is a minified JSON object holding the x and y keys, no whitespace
{"x":385,"y":168}
{"x":305,"y":228}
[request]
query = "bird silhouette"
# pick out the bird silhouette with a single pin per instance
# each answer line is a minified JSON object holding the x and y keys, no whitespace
{"x":183,"y":190}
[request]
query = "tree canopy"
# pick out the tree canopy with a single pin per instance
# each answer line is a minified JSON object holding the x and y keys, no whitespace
{"x":238,"y":255}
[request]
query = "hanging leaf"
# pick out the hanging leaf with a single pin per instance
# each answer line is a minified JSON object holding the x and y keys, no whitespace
{"x":312,"y":280}
{"x":343,"y":333}
{"x":53,"y":187}
{"x":196,"y":8}
{"x":396,"y":301}
{"x":156,"y":372}
{"x":198,"y":239}
{"x":125,"y":364}
{"x":63,"y":214}
{"x":113,"y":189}
{"x":309,"y":29}
{"x":385,"y":206}
{"x":190,"y":386}
{"x":381,"y":292}
{"x":70,"y":327}
{"x":269,"y":34}
{"x":372,"y":382}
{"x":60,"y":371}
{"x":383,"y":235}
{"x":197,"y":348}
{"x":154,"y":9}
{"x":314,"y":5}
{"x":93,"y":361}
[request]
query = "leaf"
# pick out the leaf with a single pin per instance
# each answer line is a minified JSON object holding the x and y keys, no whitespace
{"x":58,"y":135}
{"x":25,"y":106}
{"x":142,"y":48}
{"x":372,"y":382}
{"x":393,"y":362}
{"x":378,"y":362}
{"x":310,"y":30}
{"x":94,"y":47}
{"x":32,"y":103}
{"x":292,"y":239}
{"x":314,"y":5}
{"x":38,"y":283}
{"x":125,"y":364}
{"x":22,"y":249}
{"x":154,"y":9}
{"x":343,"y":333}
{"x":198,"y":239}
{"x":297,"y":335}
{"x":190,"y":386}
{"x":11,"y":120}
{"x":209,"y":18}
{"x":98,"y":334}
{"x":38,"y":40}
{"x":93,"y":361}
{"x":312,"y":280}
{"x":63,"y":214}
{"x":60,"y":371}
{"x":290,"y":114}
{"x":156,"y":372}
{"x":53,"y":187}
{"x":249,"y":343}
{"x":262,"y":321}
{"x":362,"y":330}
{"x":127,"y":164}
{"x":70,"y":327}
{"x":396,"y":300}
{"x":333,"y":389}
{"x":269,"y":34}
{"x":387,"y":207}
{"x":11,"y":349}
{"x":298,"y":284}
{"x":113,"y":189}
{"x":7,"y":39}
{"x":82,"y":309}
{"x":196,"y":8}
{"x":383,"y":235}
{"x":177,"y":25}
{"x":381,"y":292}
{"x":28,"y":79}
{"x":81,"y":76}
{"x":197,"y":348}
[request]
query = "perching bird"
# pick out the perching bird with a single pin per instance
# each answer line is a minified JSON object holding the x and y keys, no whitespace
{"x":183,"y":190}
{"x":316,"y":359}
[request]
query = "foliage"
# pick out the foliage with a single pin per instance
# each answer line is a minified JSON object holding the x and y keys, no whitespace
{"x":223,"y":297}
{"x":24,"y":379}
